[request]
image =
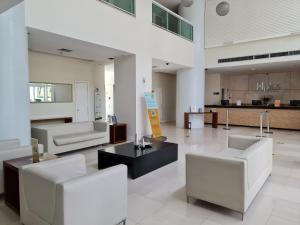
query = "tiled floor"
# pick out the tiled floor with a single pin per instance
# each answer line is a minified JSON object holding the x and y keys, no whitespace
{"x":159,"y":197}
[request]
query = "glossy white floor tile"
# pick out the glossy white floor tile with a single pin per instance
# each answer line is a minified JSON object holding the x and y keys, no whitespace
{"x":159,"y":198}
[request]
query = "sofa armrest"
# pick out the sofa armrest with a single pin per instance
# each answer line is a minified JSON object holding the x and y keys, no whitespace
{"x":98,"y":198}
{"x":241,"y":142}
{"x":218,"y":180}
{"x":100,"y":126}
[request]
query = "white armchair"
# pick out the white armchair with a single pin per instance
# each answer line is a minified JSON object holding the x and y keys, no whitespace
{"x":232,"y":177}
{"x":59,"y":192}
{"x":10,"y":149}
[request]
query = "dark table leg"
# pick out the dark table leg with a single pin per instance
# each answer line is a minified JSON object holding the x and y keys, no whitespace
{"x":214,"y":120}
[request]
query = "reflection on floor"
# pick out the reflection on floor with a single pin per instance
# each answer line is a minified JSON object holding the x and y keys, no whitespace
{"x":159,"y":197}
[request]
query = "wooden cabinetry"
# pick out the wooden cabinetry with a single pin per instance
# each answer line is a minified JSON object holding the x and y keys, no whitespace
{"x":279,"y":118}
{"x":118,"y":133}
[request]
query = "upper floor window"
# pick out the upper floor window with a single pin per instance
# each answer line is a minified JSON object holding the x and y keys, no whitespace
{"x":124,"y":5}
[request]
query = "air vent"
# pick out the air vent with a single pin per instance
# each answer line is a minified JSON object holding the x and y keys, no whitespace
{"x":236,"y":59}
{"x":262,"y":56}
{"x":279,"y":54}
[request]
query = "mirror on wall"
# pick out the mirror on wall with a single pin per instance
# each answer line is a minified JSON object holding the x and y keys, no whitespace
{"x":50,"y":92}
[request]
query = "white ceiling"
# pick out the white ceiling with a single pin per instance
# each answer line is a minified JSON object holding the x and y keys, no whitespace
{"x":7,"y":4}
{"x":42,"y":41}
{"x":258,"y":68}
{"x":161,"y":66}
{"x":171,"y":4}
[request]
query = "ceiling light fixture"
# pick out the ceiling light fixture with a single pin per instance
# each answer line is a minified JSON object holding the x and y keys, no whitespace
{"x":223,"y":8}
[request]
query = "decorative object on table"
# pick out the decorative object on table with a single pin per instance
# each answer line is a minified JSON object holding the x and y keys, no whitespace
{"x":277,"y":103}
{"x":114,"y":119}
{"x":118,"y":133}
{"x":266,"y":99}
{"x":47,"y":156}
{"x":200,"y":110}
{"x":239,"y":103}
{"x":224,"y":102}
{"x":256,"y":102}
{"x":193,"y":109}
{"x":35,"y":150}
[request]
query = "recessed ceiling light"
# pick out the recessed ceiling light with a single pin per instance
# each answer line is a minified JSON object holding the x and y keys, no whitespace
{"x":111,"y":58}
{"x":64,"y":50}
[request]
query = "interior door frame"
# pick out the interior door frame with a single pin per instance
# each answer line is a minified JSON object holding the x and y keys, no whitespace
{"x":88,"y":97}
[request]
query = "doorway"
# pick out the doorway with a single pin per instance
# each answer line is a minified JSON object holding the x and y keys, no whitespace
{"x":82,"y":99}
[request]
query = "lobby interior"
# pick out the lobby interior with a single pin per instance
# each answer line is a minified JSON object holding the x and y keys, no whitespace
{"x":218,"y":145}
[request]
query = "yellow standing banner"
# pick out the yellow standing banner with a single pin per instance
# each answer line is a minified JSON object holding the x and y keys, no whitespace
{"x":153,"y":114}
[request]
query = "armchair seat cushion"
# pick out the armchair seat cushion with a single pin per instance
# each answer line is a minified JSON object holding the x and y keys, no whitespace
{"x":77,"y":137}
{"x":230,"y":152}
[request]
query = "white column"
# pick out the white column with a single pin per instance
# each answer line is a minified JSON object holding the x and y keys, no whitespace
{"x":133,"y":77}
{"x":191,"y":82}
{"x":14,"y":93}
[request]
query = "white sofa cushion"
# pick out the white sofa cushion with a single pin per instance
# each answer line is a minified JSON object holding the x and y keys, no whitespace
{"x":77,"y":137}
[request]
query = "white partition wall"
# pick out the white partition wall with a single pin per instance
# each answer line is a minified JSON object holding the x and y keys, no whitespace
{"x":191,"y":82}
{"x":133,"y":77}
{"x":14,"y":93}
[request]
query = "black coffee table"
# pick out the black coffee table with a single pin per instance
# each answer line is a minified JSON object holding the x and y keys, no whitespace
{"x":139,"y":162}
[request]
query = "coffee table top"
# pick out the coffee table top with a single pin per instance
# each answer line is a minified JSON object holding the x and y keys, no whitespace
{"x":128,"y":150}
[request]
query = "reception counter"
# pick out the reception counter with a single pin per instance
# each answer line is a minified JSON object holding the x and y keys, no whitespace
{"x":284,"y":117}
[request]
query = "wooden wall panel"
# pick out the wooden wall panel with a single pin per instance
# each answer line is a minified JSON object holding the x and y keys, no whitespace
{"x":279,"y":118}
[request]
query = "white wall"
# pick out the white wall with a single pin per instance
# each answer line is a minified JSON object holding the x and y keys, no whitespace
{"x":212,"y":84}
{"x":253,"y":48}
{"x":132,"y":34}
{"x":125,"y":93}
{"x":58,"y":69}
{"x":165,"y":84}
{"x":251,"y":28}
{"x":14,"y":93}
{"x":118,"y":29}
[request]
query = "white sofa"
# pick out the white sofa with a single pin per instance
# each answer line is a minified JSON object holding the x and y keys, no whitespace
{"x":232,"y":177}
{"x":60,"y":192}
{"x":11,"y":149}
{"x":60,"y":138}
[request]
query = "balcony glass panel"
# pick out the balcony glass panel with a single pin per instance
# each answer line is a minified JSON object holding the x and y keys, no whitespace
{"x":168,"y":20}
{"x":174,"y":24}
{"x":186,"y":30}
{"x":159,"y":16}
{"x":126,"y":5}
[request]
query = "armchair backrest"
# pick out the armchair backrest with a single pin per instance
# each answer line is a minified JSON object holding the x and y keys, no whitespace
{"x":241,"y":142}
{"x":39,"y":183}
